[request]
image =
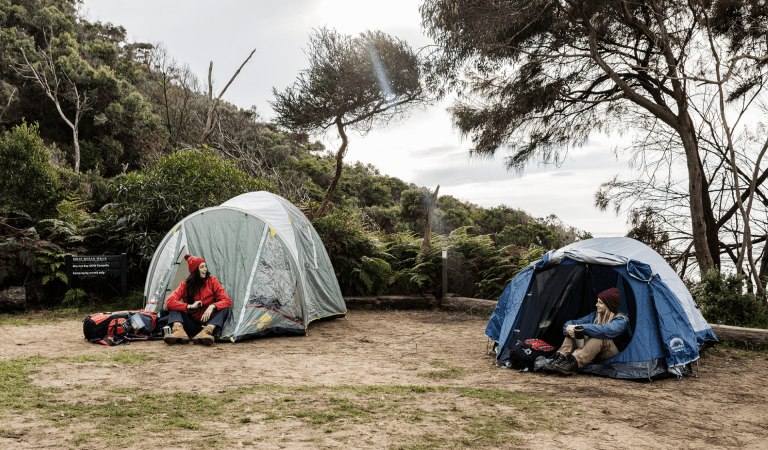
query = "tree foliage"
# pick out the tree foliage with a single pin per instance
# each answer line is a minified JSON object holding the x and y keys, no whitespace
{"x":141,"y":171}
{"x":149,"y":202}
{"x":724,"y":299}
{"x":28,"y":182}
{"x":539,"y":77}
{"x":352,"y":83}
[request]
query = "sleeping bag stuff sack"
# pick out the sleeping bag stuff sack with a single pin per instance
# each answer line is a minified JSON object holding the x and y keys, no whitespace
{"x":113,"y":328}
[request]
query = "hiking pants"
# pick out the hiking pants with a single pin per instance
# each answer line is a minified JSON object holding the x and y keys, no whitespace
{"x":594,"y":349}
{"x":191,"y":327}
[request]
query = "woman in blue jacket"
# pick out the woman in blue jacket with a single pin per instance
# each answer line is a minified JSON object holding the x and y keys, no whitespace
{"x":600,"y":329}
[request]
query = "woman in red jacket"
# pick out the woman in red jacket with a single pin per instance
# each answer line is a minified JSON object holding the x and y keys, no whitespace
{"x":198,"y":306}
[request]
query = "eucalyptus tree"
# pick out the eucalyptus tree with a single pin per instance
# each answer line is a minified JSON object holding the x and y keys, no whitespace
{"x":352,"y":83}
{"x":58,"y":86}
{"x":539,"y":77}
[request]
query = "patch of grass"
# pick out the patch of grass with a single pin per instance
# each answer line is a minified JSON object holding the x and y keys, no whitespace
{"x":493,"y":429}
{"x":16,"y":391}
{"x":446,"y":372}
{"x":745,"y":355}
{"x":11,"y":433}
{"x":36,"y":317}
{"x":714,"y":352}
{"x":271,"y":416}
{"x":743,"y":345}
{"x":120,"y":414}
{"x":134,"y":301}
{"x":484,"y":312}
{"x":426,"y":441}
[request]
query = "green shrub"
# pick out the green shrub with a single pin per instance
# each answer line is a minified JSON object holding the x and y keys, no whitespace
{"x":28,"y":182}
{"x":534,"y":233}
{"x":148,"y":203}
{"x":722,"y":299}
{"x":353,"y":253}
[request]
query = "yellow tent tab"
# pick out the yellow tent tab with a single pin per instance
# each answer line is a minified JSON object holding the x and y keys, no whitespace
{"x":289,"y":219}
{"x":177,"y":229}
{"x":272,"y":232}
{"x":262,"y":322}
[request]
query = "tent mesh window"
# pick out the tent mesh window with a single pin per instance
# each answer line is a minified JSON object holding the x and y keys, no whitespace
{"x":275,"y":283}
{"x":566,"y":292}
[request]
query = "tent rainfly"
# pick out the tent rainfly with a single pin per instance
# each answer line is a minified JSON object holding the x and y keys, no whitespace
{"x":667,"y":331}
{"x":268,"y":258}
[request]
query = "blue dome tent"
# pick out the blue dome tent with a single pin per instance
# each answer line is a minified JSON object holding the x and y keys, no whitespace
{"x":666,"y":332}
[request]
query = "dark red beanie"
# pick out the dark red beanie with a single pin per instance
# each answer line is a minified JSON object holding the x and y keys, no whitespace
{"x":193,"y":262}
{"x":612,"y":298}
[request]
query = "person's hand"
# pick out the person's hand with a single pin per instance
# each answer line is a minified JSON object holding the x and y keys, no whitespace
{"x":207,"y":314}
{"x":195,"y":306}
{"x":571,"y":330}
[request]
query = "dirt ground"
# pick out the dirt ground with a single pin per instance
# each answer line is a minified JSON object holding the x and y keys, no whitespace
{"x":723,"y":407}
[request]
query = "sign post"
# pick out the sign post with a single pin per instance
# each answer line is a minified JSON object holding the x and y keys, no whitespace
{"x":445,"y":278}
{"x":98,"y":265}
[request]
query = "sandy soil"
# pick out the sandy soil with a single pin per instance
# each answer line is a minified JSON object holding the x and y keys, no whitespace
{"x":724,"y":407}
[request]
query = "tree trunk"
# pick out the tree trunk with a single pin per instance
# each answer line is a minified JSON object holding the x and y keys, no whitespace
{"x":15,"y":298}
{"x":431,"y":201}
{"x":751,"y":335}
{"x":76,"y":144}
{"x":699,"y":197}
{"x":325,"y":206}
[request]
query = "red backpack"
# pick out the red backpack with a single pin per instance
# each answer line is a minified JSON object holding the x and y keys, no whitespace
{"x":109,"y":328}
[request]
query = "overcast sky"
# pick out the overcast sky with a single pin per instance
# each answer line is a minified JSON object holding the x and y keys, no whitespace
{"x":423,"y":149}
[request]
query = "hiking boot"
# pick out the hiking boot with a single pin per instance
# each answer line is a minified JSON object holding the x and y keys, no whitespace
{"x":568,"y":367}
{"x":559,"y":357}
{"x":205,"y":337}
{"x":179,"y":336}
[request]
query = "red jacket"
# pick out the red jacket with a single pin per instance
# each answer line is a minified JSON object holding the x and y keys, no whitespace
{"x":177,"y":300}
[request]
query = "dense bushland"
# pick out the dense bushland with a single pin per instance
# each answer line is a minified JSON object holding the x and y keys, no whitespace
{"x":141,"y":169}
{"x":727,"y":299}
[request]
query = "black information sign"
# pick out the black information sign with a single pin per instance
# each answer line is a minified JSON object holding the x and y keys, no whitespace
{"x":98,"y":265}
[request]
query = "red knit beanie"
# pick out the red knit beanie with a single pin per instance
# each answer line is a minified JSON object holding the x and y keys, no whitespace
{"x":193,"y":262}
{"x":612,"y":298}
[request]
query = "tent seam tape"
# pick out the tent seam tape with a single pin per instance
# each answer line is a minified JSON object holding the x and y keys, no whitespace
{"x":250,"y":280}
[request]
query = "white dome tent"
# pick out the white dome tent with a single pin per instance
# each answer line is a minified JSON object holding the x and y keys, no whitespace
{"x":267,"y":256}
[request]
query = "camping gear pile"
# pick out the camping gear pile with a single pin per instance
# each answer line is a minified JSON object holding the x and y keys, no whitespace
{"x":666,"y":333}
{"x":115,"y":328}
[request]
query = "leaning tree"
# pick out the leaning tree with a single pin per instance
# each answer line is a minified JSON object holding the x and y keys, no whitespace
{"x":540,"y":76}
{"x":352,"y":83}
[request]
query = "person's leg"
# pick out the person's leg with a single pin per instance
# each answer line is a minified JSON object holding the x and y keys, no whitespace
{"x":566,"y":349}
{"x":205,"y":336}
{"x":569,"y":344}
{"x":179,"y":334}
{"x":580,"y":357}
{"x":607,"y":351}
{"x":219,"y":317}
{"x":190,"y":326}
{"x":592,"y":347}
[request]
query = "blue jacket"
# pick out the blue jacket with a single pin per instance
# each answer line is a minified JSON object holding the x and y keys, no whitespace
{"x":609,"y":330}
